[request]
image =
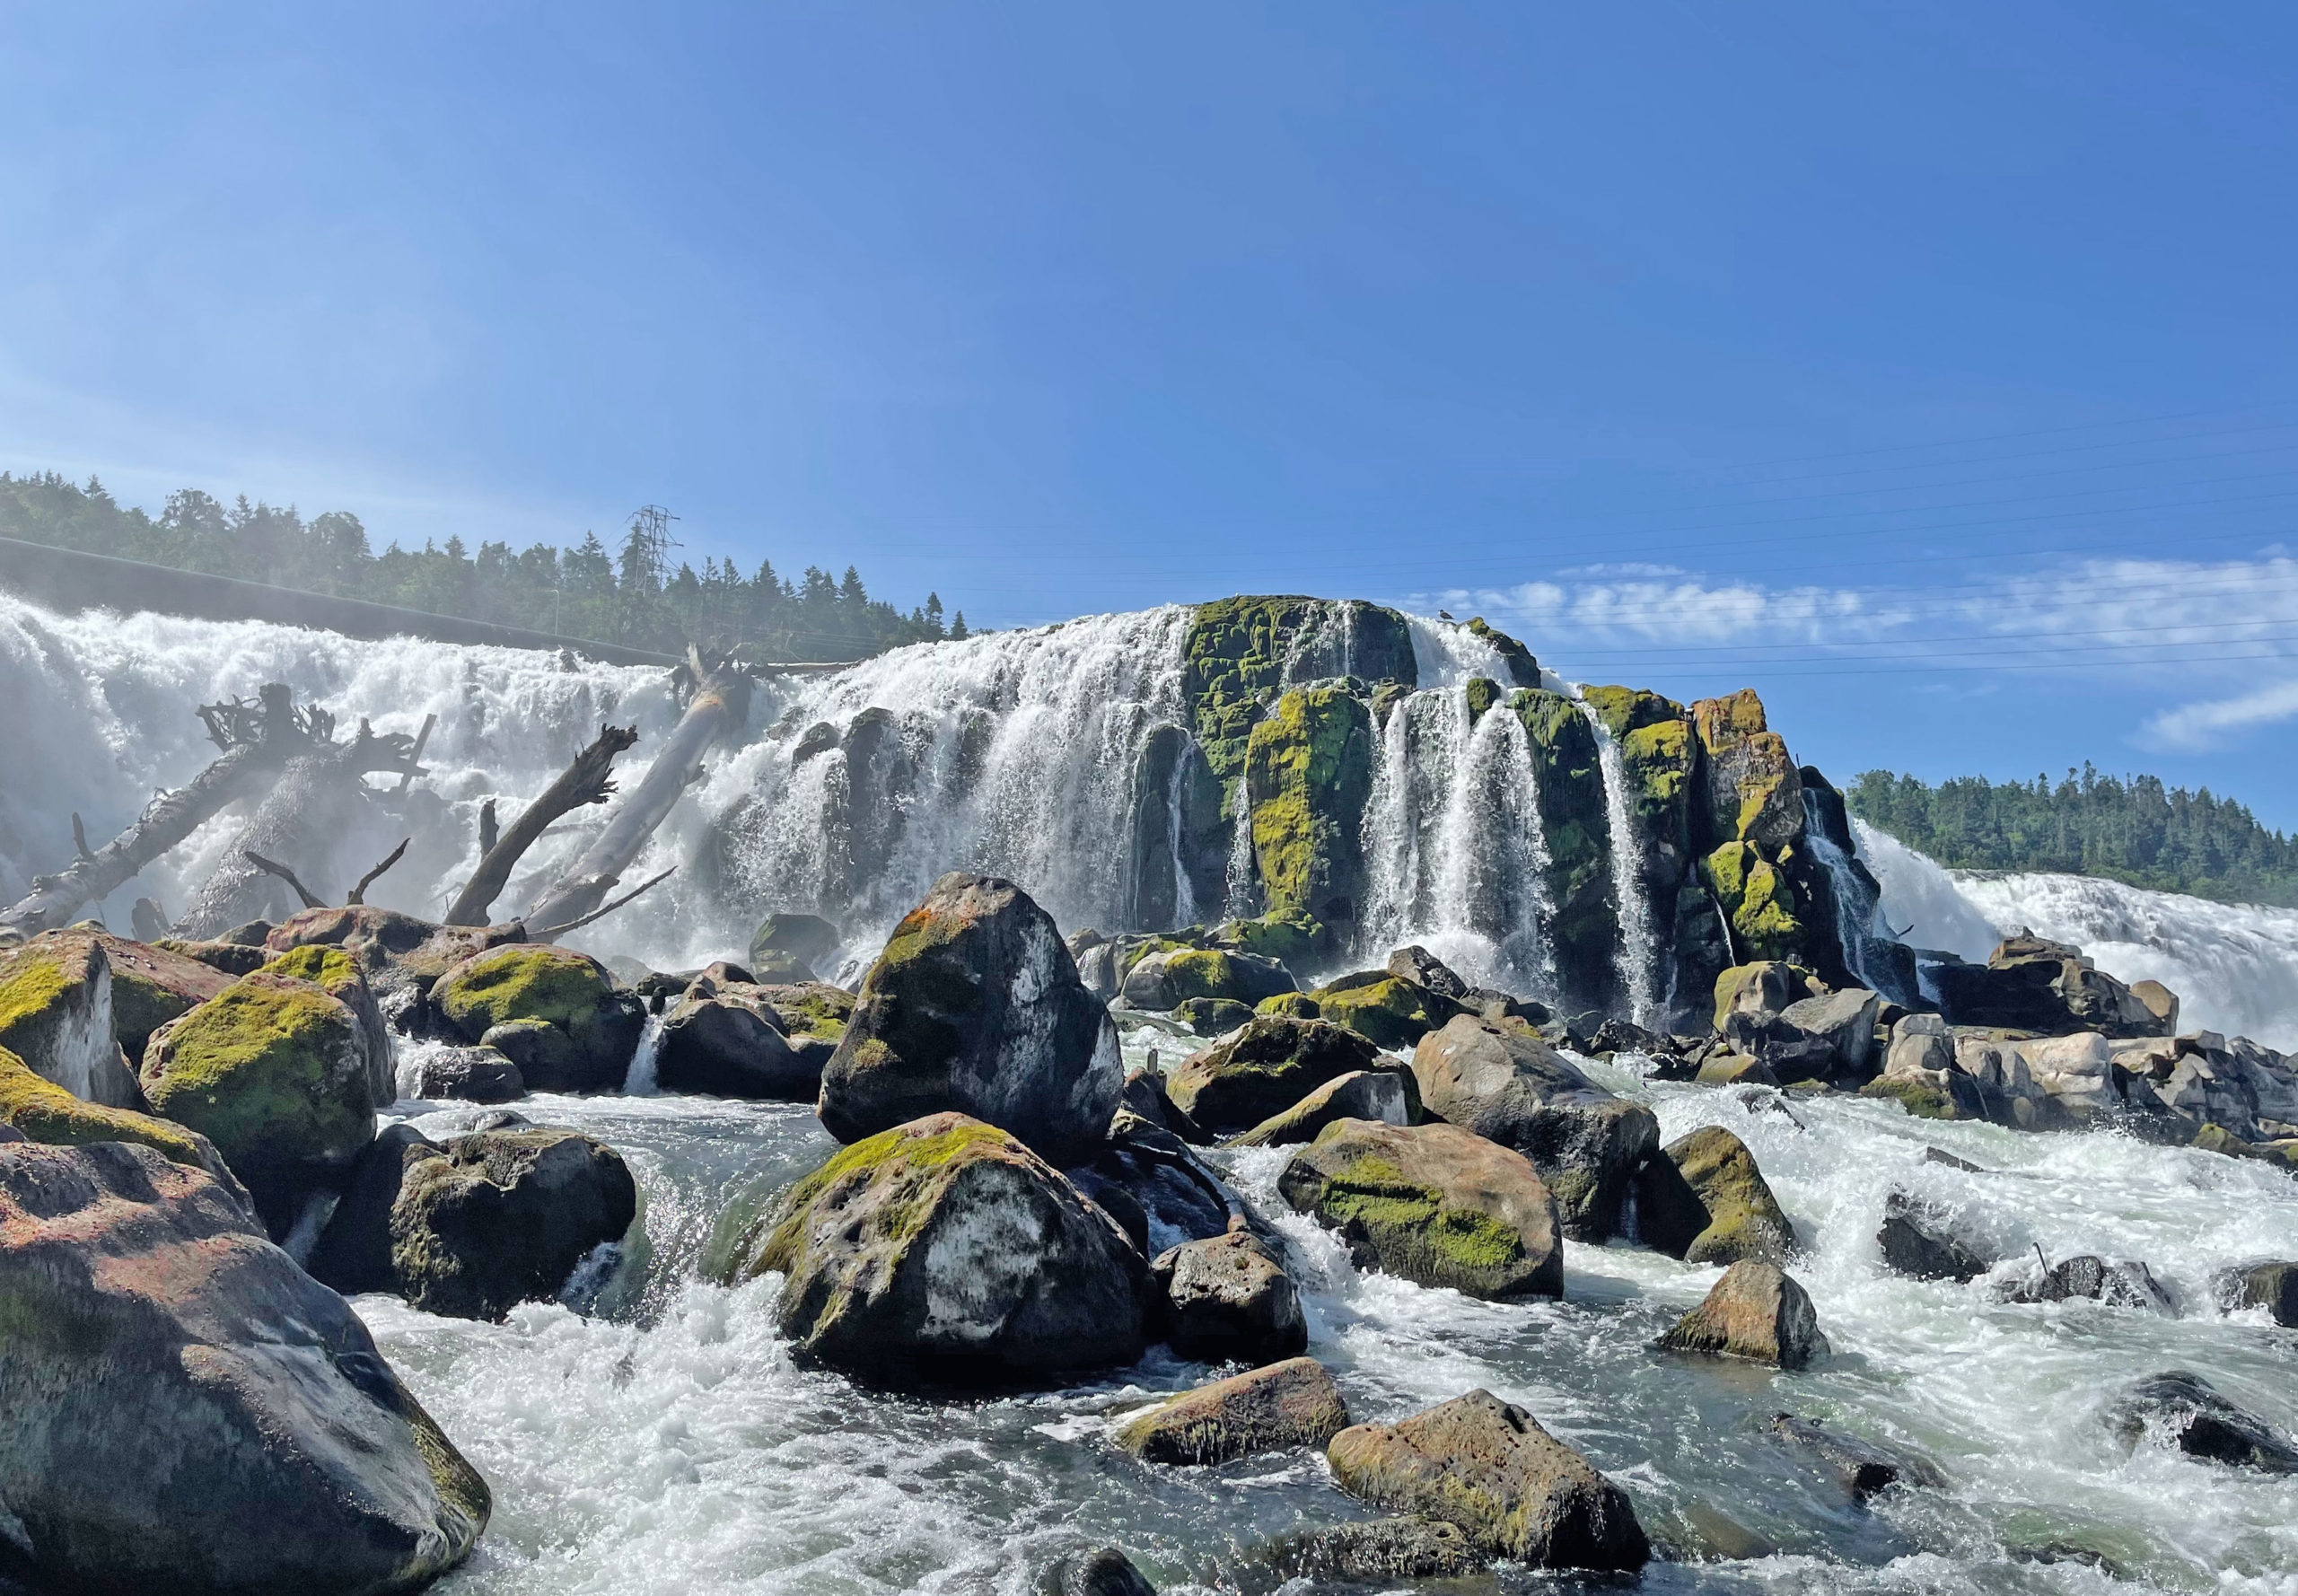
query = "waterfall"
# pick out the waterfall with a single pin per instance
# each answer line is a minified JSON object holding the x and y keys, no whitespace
{"x":1175,"y":815}
{"x":1241,"y":902}
{"x":1638,"y":956}
{"x":1855,"y":901}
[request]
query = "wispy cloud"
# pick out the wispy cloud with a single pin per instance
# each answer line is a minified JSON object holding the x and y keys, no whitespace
{"x":2217,"y":722}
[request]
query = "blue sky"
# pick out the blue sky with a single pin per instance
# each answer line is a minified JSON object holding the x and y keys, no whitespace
{"x":1930,"y":369}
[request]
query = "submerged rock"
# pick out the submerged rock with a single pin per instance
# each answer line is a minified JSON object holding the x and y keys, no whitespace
{"x":2193,"y":1416}
{"x":1281,"y":1405}
{"x":1105,"y":1572}
{"x":1488,"y":1466}
{"x":218,"y":1421}
{"x":1756,"y":1313}
{"x":2273,"y":1286}
{"x":1702,"y":1198}
{"x":1861,"y":1466}
{"x":1376,"y":1553}
{"x":2122,"y":1283}
{"x":497,"y":1218}
{"x":945,"y":1248}
{"x":1915,"y":1243}
{"x":1361,"y":1095}
{"x":572,"y":993}
{"x":1227,"y":1296}
{"x":975,"y":1007}
{"x":1262,"y":1068}
{"x":1508,"y":1086}
{"x":1433,"y":1203}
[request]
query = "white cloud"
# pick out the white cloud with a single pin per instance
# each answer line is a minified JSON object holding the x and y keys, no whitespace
{"x":2209,"y":724}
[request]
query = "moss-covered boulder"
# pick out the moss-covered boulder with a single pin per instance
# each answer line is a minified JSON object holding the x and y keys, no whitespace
{"x":334,"y":971}
{"x":1290,"y":1005}
{"x":1522,"y":669}
{"x":1297,"y":941}
{"x":975,"y":1007}
{"x":1507,"y":1085}
{"x":1211,"y":1016}
{"x":1387,"y":1095}
{"x":1263,"y":1068}
{"x":1703,"y":1199}
{"x":740,"y":1038}
{"x":1488,"y":1467}
{"x":150,"y":985}
{"x":1280,"y":1405}
{"x":1582,"y":931}
{"x":274,"y":1071}
{"x":571,"y":992}
{"x":1164,"y":981}
{"x":501,"y":1217}
{"x":401,"y":955}
{"x":1384,"y":1009}
{"x":1755,"y":792}
{"x":1433,"y":1203}
{"x":44,"y":1112}
{"x":56,"y":1016}
{"x":189,"y":1412}
{"x":1758,"y":899}
{"x":1308,"y":776}
{"x":1761,"y":990}
{"x":945,"y":1250}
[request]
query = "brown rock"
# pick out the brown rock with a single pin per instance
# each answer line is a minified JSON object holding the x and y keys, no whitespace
{"x":1227,"y":1297}
{"x":1756,"y":1313}
{"x":1293,"y":1403}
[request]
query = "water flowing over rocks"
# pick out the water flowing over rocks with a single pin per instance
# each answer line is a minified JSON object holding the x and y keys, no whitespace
{"x":2193,"y":1416}
{"x":215,"y":1420}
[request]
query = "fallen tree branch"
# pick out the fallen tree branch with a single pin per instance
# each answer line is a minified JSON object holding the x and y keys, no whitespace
{"x":589,"y":779}
{"x":551,"y":932}
{"x":359,"y":893}
{"x":274,"y":867}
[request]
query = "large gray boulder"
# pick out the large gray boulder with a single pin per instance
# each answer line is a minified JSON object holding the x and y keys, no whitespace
{"x":503,"y":1217}
{"x":1227,"y":1296}
{"x":1508,"y":1086}
{"x":744,"y":1039}
{"x":975,"y":1007}
{"x":1168,"y":979}
{"x":1381,"y":1094}
{"x":1432,"y":1204}
{"x":945,"y":1250}
{"x":1263,"y":1067}
{"x":214,"y":1421}
{"x":1488,"y":1466}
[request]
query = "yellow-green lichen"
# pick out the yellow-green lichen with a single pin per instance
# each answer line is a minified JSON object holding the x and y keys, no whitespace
{"x":29,"y":989}
{"x":1372,"y":1194}
{"x":47,"y":1113}
{"x":1919,"y":1096}
{"x":1309,"y":771}
{"x":322,"y":964}
{"x":1758,"y":899}
{"x":260,"y":1071}
{"x":897,"y":1154}
{"x":523,"y":982}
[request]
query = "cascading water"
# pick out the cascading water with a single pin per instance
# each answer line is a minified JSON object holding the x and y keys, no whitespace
{"x":1854,"y":901}
{"x":1639,"y":954}
{"x":1241,"y":902}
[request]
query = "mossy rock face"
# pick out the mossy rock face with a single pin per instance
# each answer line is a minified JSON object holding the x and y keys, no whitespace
{"x":1290,"y":1005}
{"x":334,"y":971}
{"x":944,"y":1249}
{"x":501,"y":1217}
{"x":1308,"y":776}
{"x":45,"y":1112}
{"x":1388,"y":1012}
{"x":150,"y":985}
{"x":1523,"y":669}
{"x":1703,"y":1200}
{"x":1759,"y":899}
{"x":56,"y":1016}
{"x":1270,"y":1408}
{"x":571,"y":992}
{"x":1433,"y":1203}
{"x":1294,"y":940}
{"x":1168,"y":979}
{"x":1263,"y":1068}
{"x":1211,"y":1016}
{"x":274,"y":1071}
{"x":1583,"y":929}
{"x":1482,"y":693}
{"x":1755,"y":792}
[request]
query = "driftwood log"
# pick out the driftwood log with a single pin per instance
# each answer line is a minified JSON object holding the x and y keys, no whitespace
{"x":720,"y":701}
{"x":588,"y":780}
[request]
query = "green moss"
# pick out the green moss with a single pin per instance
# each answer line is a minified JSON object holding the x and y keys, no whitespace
{"x":47,"y":1113}
{"x":1390,"y":1013}
{"x":1658,"y":755}
{"x":259,"y":1071}
{"x":1758,"y":898}
{"x":1613,"y":706}
{"x":524,"y":982}
{"x":1309,"y":771}
{"x":319,"y":963}
{"x":1483,"y":693}
{"x":29,"y":991}
{"x":1200,"y":972}
{"x":1290,"y":1005}
{"x":1373,"y":1194}
{"x":1289,"y":938}
{"x":896,"y":1155}
{"x":1917,"y":1096}
{"x":1744,"y":1219}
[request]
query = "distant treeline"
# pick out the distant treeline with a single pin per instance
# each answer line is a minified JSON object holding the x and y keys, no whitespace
{"x":633,"y":594}
{"x":2134,"y":830}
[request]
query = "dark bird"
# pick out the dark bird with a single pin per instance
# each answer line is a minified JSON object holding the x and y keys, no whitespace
{"x":1443,"y":614}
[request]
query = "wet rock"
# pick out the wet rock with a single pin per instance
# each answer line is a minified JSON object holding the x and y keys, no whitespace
{"x":2121,"y":1284}
{"x":1389,"y":1011}
{"x":401,"y":956}
{"x":1283,"y":1405}
{"x":2076,"y":1071}
{"x":1377,"y":1553}
{"x":1509,"y":1087}
{"x":498,"y":1218}
{"x":1433,"y":1203}
{"x":2007,"y":1088}
{"x":1702,"y":1198}
{"x":1151,"y":1172}
{"x":1756,"y":1312}
{"x":1861,"y":1466}
{"x":473,"y":1075}
{"x":727,"y":1042}
{"x":353,"y":1253}
{"x":1940,"y":1156}
{"x":571,"y":992}
{"x":1167,"y":979}
{"x":1361,"y":1095}
{"x":1227,"y":1297}
{"x":149,"y":985}
{"x":221,"y":1422}
{"x":1263,"y":1068}
{"x":334,"y":972}
{"x":2273,"y":1286}
{"x":274,"y":1071}
{"x":1107,"y":1572}
{"x":944,"y":1249}
{"x":1211,"y":1016}
{"x":37,"y":1109}
{"x":1915,"y":1243}
{"x":56,"y":1017}
{"x":2193,"y":1416}
{"x":1290,"y":1005}
{"x":1424,"y":968}
{"x":975,"y":1007}
{"x":1144,"y":1096}
{"x":1487,"y":1467}
{"x":1841,"y":1025}
{"x":2034,"y":984}
{"x":1735,"y":1069}
{"x":792,"y":947}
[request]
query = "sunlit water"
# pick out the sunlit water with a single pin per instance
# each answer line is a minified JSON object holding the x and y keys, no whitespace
{"x":670,"y":1445}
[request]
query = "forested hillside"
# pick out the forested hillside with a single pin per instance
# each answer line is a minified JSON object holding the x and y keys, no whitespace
{"x":635,"y":593}
{"x":2133,"y":829}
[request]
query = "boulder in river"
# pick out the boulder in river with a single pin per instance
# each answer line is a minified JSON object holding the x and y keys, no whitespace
{"x":1380,"y":1094}
{"x":2272,"y":1285}
{"x":1166,"y":980}
{"x":353,"y":1253}
{"x":39,"y":1111}
{"x":2031,"y":984}
{"x":944,"y":1248}
{"x":1375,"y":1553}
{"x":216,"y":1421}
{"x":1861,"y":1466}
{"x":497,"y":1218}
{"x":1262,"y":1068}
{"x":1423,"y":969}
{"x":1915,"y":1241}
{"x":1227,"y":1296}
{"x":468,"y":1074}
{"x":1702,"y":1198}
{"x":1433,"y":1203}
{"x":2198,"y":1419}
{"x":728,"y":1041}
{"x":1103,"y":1572}
{"x":1508,"y":1086}
{"x":1756,"y":1313}
{"x":1211,"y":1016}
{"x":571,"y":992}
{"x":975,"y":1007}
{"x":1280,"y":1405}
{"x":1488,"y":1467}
{"x":2121,"y":1283}
{"x":56,"y":1016}
{"x":1389,"y":1011}
{"x":792,"y":947}
{"x":333,"y":971}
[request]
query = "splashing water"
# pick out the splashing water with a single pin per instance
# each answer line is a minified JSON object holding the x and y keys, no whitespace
{"x":1638,"y":958}
{"x":1855,"y":901}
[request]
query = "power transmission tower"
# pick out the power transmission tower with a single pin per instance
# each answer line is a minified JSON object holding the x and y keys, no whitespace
{"x":650,"y":543}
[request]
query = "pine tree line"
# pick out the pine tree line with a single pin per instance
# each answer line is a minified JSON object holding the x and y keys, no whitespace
{"x":631,"y":596}
{"x":2133,"y":829}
